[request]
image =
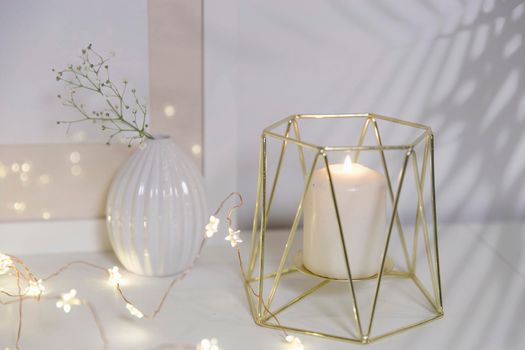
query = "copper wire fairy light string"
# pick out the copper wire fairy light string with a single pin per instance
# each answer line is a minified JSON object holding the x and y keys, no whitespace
{"x":29,"y":276}
{"x":257,"y":295}
{"x":9,"y":295}
{"x":230,"y":211}
{"x":26,"y":268}
{"x":20,"y":296}
{"x":20,"y":309}
{"x":239,"y":257}
{"x":163,"y":298}
{"x":68,"y":265}
{"x":89,"y":306}
{"x":101,"y":330}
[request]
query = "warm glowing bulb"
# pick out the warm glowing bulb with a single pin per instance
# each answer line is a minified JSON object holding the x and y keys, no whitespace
{"x":67,"y":300}
{"x":233,"y":237}
{"x":134,"y":311}
{"x":6,"y":263}
{"x":196,"y":149}
{"x":114,"y":276}
{"x":347,"y":166}
{"x":26,"y":167}
{"x":208,"y":344}
{"x":295,"y":343}
{"x":46,"y":215}
{"x":35,"y":288}
{"x":19,"y":206}
{"x":212,"y":227}
{"x":15,"y":167}
{"x":169,"y":111}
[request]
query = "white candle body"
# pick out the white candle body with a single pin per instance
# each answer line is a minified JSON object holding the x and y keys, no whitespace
{"x":360,"y":193}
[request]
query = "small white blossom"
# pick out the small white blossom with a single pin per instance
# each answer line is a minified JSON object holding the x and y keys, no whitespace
{"x":208,"y":344}
{"x":5,"y":264}
{"x":134,"y":311}
{"x":294,"y":342}
{"x":233,"y":237}
{"x":212,"y":227}
{"x":67,"y":300}
{"x":35,"y":288}
{"x":114,"y":276}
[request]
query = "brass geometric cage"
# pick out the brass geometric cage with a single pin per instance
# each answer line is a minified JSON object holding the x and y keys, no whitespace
{"x":413,"y":283}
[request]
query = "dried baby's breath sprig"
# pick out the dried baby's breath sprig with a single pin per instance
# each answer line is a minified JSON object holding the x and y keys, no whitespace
{"x":119,"y":117}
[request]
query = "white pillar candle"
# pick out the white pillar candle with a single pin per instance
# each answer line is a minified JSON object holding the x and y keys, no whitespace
{"x":360,"y":194}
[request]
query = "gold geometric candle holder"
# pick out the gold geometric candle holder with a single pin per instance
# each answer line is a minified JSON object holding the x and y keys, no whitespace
{"x":405,"y":290}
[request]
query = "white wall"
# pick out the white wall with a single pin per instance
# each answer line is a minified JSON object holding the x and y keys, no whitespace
{"x":455,"y":65}
{"x":220,"y":99}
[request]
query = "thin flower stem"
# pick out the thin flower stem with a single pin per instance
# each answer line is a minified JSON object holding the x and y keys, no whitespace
{"x":89,"y":76}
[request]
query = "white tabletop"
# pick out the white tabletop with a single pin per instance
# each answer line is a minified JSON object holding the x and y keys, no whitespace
{"x":483,"y":276}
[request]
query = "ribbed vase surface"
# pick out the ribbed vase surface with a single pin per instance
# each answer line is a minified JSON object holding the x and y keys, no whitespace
{"x":156,"y":210}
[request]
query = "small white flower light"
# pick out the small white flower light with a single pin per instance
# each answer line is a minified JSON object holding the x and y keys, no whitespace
{"x":134,"y":311}
{"x":208,"y":344}
{"x":114,"y":276}
{"x":5,"y":264}
{"x":35,"y":288}
{"x":67,"y":300}
{"x":233,"y":237}
{"x":295,"y":343}
{"x":212,"y":227}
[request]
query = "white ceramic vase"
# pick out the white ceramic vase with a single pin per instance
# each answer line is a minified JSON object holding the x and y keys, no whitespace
{"x":156,"y":210}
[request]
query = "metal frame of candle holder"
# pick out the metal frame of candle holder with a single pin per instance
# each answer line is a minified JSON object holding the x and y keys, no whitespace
{"x":260,"y":308}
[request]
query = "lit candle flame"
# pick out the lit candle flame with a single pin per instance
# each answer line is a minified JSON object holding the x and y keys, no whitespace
{"x":347,"y":166}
